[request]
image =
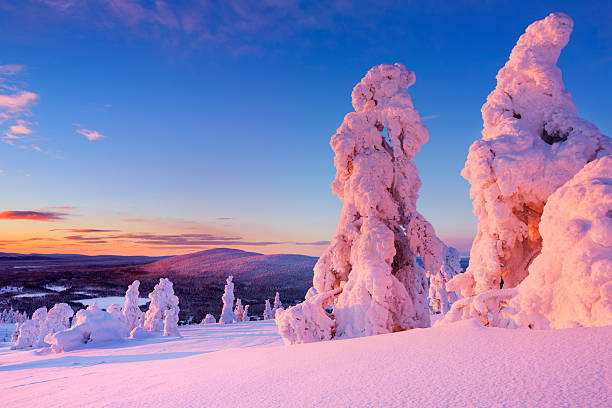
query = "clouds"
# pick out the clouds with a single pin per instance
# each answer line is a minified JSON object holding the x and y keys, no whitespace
{"x":45,"y":216}
{"x":91,"y":135}
{"x":15,"y":106}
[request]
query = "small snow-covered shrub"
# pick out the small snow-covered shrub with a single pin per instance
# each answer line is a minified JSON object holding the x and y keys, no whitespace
{"x":533,"y":141}
{"x":90,"y":325}
{"x":133,"y":315}
{"x":277,"y":304}
{"x":306,"y":322}
{"x":163,"y":302}
{"x":171,"y":323}
{"x":209,"y":319}
{"x":267,"y":314}
{"x":570,"y":282}
{"x":227,"y":315}
{"x":239,"y":310}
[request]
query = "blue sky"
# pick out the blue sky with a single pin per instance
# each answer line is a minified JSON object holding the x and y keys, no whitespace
{"x":214,"y":118}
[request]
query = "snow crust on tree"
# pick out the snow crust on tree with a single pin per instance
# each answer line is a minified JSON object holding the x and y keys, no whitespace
{"x":133,"y":315}
{"x":239,"y":310}
{"x":278,"y":305}
{"x":227,"y":315}
{"x":532,"y":143}
{"x":267,"y":314}
{"x":90,"y":325}
{"x":372,"y":257}
{"x":306,"y":322}
{"x":209,"y":319}
{"x":245,"y":314}
{"x":163,"y":303}
{"x":117,"y":312}
{"x":171,"y":322}
{"x":570,"y":282}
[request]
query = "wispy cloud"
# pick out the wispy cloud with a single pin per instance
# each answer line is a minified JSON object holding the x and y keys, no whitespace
{"x":91,"y":135}
{"x":429,"y":117}
{"x":15,"y":104}
{"x":46,"y":216}
{"x":314,"y":243}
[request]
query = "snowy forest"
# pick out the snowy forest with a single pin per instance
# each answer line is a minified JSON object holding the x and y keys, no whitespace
{"x":539,"y":273}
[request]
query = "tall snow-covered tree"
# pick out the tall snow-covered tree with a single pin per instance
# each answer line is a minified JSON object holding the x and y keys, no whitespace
{"x":439,"y":299}
{"x":267,"y":314}
{"x":133,"y":315}
{"x":372,"y":258}
{"x":533,"y":141}
{"x":163,"y":302}
{"x":227,"y":315}
{"x":570,"y":282}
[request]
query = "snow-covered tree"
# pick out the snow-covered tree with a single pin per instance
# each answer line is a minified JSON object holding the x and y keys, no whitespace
{"x":163,"y":302}
{"x":58,"y":318}
{"x":267,"y":314}
{"x":32,"y":332}
{"x":245,"y":314}
{"x":171,"y":322}
{"x":133,"y":315}
{"x":439,"y":299}
{"x":227,"y":315}
{"x":209,"y":319}
{"x":372,"y":257}
{"x":570,"y":282}
{"x":239,"y":310}
{"x":532,"y":143}
{"x":277,"y":304}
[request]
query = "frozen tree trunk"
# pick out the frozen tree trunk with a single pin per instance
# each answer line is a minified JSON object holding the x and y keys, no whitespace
{"x":133,"y":314}
{"x":532,"y":143}
{"x":372,"y":258}
{"x":267,"y":314}
{"x":163,"y":303}
{"x":570,"y":282}
{"x":227,"y":315}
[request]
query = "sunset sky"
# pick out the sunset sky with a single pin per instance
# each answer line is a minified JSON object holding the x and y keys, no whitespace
{"x":156,"y":128}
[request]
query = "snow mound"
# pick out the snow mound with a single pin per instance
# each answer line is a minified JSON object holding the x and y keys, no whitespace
{"x":570,"y":282}
{"x":532,"y":143}
{"x":91,"y":325}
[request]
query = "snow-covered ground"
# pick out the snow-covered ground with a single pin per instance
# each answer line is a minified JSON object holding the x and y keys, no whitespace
{"x":246,"y":365}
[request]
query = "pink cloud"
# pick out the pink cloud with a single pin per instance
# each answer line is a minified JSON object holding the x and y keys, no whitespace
{"x":91,"y":135}
{"x":46,"y":216}
{"x":21,"y":128}
{"x":11,"y":69}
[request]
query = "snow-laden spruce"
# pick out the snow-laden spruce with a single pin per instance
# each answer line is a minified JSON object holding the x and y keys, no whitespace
{"x":133,"y":315}
{"x":439,"y":299}
{"x":532,"y":143}
{"x":267,"y":314}
{"x":227,"y":315}
{"x":372,"y":258}
{"x":12,"y":316}
{"x":32,"y":332}
{"x":570,"y":282}
{"x":164,"y":307}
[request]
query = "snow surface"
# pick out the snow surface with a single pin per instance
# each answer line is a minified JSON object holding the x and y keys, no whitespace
{"x":457,"y":365}
{"x":104,"y":302}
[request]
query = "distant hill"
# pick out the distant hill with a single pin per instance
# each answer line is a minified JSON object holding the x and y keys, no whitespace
{"x":248,"y":268}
